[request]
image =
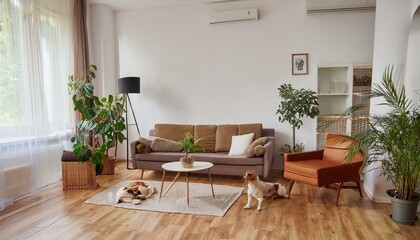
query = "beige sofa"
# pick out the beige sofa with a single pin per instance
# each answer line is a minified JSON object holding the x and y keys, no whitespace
{"x":216,"y":141}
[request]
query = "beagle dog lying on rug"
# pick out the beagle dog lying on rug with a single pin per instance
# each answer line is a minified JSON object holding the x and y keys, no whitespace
{"x":135,"y":192}
{"x":259,"y":190}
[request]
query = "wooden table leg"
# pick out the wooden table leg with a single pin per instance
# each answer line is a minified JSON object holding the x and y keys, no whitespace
{"x":172,"y":183}
{"x":211,"y":184}
{"x":161,"y":186}
{"x":188,"y":189}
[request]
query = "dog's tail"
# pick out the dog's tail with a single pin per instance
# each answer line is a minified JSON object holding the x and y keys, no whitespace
{"x":281,"y":190}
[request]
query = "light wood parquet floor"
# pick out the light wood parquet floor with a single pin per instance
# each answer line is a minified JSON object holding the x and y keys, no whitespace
{"x":310,"y":213}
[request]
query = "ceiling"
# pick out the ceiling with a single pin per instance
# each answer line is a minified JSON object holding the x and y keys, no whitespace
{"x":122,"y":5}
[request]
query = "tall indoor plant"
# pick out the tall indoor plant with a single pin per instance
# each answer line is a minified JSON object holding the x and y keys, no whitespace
{"x":296,"y":104}
{"x":393,"y":140}
{"x":100,"y":123}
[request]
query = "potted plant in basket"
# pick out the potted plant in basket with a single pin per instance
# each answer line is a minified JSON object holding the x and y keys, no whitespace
{"x":189,"y":145}
{"x":393,"y":140}
{"x":101,"y":122}
{"x":111,"y":128}
{"x":295,"y":104}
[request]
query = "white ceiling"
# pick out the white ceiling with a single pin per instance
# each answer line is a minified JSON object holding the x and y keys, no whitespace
{"x":121,"y":5}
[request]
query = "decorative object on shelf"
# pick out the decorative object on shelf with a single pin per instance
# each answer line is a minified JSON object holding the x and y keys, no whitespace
{"x":128,"y":85}
{"x":295,"y":104}
{"x":101,"y":122}
{"x":393,"y":140}
{"x":300,"y":64}
{"x":189,"y":145}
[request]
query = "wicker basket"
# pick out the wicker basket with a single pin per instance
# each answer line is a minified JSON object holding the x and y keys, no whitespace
{"x":78,"y":175}
{"x":109,"y":166}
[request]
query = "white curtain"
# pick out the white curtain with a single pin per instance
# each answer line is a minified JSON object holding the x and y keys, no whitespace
{"x":35,"y":119}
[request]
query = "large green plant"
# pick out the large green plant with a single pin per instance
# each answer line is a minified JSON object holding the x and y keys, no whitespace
{"x":296,"y":104}
{"x":393,"y":138}
{"x":101,"y":121}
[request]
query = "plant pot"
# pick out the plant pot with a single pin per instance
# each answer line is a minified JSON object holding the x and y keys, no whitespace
{"x":187,"y":162}
{"x":109,"y":166}
{"x":404,"y":211}
{"x":78,"y":175}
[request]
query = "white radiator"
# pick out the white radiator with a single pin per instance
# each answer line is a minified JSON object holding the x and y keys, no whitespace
{"x":17,"y":181}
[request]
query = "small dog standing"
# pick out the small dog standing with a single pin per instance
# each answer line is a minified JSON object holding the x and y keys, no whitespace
{"x":259,"y":190}
{"x":135,"y":192}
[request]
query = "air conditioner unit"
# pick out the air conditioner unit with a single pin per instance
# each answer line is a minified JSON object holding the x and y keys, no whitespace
{"x":339,"y":6}
{"x":233,"y":15}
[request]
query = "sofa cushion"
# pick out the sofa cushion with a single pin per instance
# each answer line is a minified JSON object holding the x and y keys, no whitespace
{"x":240,"y":144}
{"x":208,"y":135}
{"x":215,"y":158}
{"x":224,"y":135}
{"x":164,"y":145}
{"x":144,"y":145}
{"x":249,"y":152}
{"x":255,"y":128}
{"x":174,"y":132}
{"x":259,"y":150}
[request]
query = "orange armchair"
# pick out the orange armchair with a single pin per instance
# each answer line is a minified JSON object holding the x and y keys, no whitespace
{"x":325,"y":168}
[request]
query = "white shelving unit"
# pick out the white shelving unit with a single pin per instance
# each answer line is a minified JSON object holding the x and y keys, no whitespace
{"x":336,"y":86}
{"x":334,"y":97}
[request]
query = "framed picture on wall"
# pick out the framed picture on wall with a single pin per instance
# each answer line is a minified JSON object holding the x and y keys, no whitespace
{"x":300,"y":64}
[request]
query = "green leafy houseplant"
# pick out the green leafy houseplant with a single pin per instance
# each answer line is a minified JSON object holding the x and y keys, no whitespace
{"x":189,"y":145}
{"x":296,"y":104}
{"x":101,"y":123}
{"x":393,"y":138}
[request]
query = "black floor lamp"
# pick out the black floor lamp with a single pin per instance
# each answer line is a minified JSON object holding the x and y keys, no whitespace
{"x":128,"y":85}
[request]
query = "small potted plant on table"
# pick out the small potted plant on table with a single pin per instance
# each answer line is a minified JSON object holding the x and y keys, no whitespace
{"x":189,"y":145}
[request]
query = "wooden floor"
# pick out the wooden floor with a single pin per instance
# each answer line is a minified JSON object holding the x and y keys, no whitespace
{"x":310,"y":213}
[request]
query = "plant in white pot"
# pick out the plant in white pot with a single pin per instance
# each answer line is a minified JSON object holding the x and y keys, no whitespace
{"x":393,"y":140}
{"x":189,"y":145}
{"x":296,"y":104}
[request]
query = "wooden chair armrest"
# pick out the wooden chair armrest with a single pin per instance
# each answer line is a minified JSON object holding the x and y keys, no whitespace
{"x":299,"y":156}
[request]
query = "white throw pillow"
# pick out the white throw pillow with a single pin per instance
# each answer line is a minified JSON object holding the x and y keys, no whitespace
{"x":240,"y":144}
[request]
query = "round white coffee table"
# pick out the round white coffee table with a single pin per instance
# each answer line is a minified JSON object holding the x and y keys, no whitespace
{"x":177,"y":167}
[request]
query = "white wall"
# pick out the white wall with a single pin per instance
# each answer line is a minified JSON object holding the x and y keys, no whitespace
{"x":194,"y":72}
{"x":392,"y":34}
{"x":412,"y":75}
{"x":102,"y":49}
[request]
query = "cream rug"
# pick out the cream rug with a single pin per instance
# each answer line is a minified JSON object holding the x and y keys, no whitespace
{"x":201,"y":200}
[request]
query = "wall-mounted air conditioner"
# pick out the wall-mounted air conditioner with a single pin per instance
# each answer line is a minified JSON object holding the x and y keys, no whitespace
{"x":233,"y":15}
{"x":339,"y":6}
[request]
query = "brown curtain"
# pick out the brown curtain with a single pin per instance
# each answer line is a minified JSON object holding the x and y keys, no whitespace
{"x":80,"y":38}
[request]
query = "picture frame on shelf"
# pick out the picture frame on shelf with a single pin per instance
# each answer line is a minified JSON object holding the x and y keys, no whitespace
{"x":300,"y":64}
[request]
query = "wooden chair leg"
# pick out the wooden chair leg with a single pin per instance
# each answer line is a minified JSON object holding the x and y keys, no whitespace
{"x":141,"y":174}
{"x":289,"y":189}
{"x":338,"y":193}
{"x":360,"y":189}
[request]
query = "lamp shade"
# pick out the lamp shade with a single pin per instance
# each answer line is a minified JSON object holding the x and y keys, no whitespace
{"x":129,"y":85}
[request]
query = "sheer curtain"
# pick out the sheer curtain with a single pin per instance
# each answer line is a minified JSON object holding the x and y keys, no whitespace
{"x":35,"y":121}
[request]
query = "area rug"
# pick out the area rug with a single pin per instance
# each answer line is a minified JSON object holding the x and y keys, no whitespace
{"x":201,"y":199}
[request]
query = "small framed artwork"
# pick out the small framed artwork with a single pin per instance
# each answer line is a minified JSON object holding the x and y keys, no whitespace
{"x":300,"y":64}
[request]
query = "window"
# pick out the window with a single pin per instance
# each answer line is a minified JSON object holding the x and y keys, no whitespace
{"x":34,"y":55}
{"x":35,"y":116}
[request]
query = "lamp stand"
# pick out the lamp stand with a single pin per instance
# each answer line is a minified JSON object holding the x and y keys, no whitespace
{"x":127,"y":97}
